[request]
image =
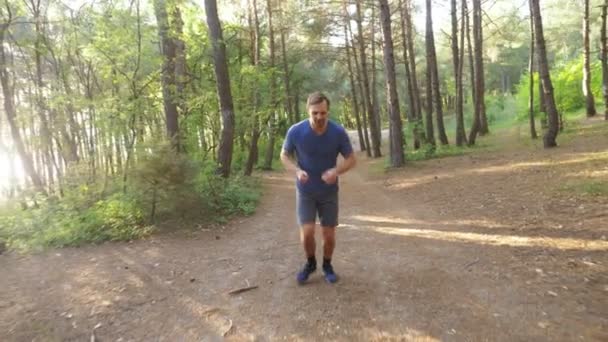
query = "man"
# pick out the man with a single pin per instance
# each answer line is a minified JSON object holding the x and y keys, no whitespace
{"x":317,"y":142}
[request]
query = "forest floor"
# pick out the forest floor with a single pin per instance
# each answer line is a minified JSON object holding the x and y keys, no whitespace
{"x":507,"y":243}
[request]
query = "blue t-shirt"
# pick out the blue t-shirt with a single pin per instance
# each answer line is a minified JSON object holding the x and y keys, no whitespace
{"x":317,"y":153}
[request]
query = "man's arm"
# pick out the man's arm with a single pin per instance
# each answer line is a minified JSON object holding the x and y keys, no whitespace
{"x":290,"y":166}
{"x":331,"y":176}
{"x":348,"y":163}
{"x":288,"y":163}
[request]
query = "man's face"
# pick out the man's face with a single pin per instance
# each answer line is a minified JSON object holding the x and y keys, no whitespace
{"x":318,"y":114}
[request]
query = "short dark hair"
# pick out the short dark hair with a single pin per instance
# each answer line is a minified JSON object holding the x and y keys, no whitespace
{"x":316,"y":98}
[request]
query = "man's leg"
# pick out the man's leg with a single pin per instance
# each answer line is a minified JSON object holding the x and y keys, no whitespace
{"x":329,"y":242}
{"x":328,"y":212}
{"x":307,"y":236}
{"x":307,"y":214}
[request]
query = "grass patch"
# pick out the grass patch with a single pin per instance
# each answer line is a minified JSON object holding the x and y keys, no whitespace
{"x":588,"y":188}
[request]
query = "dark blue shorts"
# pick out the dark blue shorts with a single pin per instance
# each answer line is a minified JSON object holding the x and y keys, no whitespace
{"x":325,"y":204}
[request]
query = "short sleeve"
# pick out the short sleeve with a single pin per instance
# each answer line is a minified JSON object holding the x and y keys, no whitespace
{"x":345,"y":148}
{"x":289,"y":144}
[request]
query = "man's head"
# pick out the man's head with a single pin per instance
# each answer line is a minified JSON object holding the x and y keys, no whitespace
{"x":318,"y":109}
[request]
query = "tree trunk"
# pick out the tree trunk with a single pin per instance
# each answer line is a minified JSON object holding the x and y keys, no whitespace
{"x":604,"y":50}
{"x":286,"y":81}
{"x":271,"y":118}
{"x":370,"y":110}
{"x":412,"y":85}
{"x":589,"y":100}
{"x":363,"y":107}
{"x":223,"y":87}
{"x":481,"y":87}
{"x":430,"y":132}
{"x":478,"y":120}
{"x":181,"y":78}
{"x":11,"y":116}
{"x":351,"y":77}
{"x":254,"y":21}
{"x":376,"y":103}
{"x":470,"y":58}
{"x":168,"y":73}
{"x":459,"y":110}
{"x":531,"y":75}
{"x":418,"y":127}
{"x":397,"y":155}
{"x":437,"y":99}
{"x":549,"y":139}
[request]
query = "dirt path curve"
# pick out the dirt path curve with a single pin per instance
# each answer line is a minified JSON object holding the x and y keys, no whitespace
{"x":401,"y":279}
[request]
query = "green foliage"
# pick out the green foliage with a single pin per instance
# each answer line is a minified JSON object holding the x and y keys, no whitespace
{"x":567,"y":88}
{"x":63,"y":223}
{"x":163,"y":186}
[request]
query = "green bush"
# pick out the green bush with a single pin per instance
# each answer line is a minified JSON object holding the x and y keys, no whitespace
{"x":162,"y":186}
{"x":567,"y":81}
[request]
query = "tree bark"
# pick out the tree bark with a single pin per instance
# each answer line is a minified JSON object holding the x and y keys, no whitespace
{"x":589,"y":100}
{"x":370,"y":110}
{"x":531,"y":76}
{"x":478,"y":119}
{"x":223,"y":88}
{"x":604,"y":52}
{"x":181,"y":77}
{"x":254,"y":22}
{"x":271,"y":119}
{"x":8,"y":92}
{"x":549,"y":139}
{"x":459,"y":111}
{"x":437,"y":99}
{"x":374,"y":85}
{"x":351,"y":77}
{"x":430,"y":132}
{"x":397,"y":155}
{"x":286,"y":81}
{"x":368,"y":150}
{"x":412,"y":86}
{"x":168,"y":50}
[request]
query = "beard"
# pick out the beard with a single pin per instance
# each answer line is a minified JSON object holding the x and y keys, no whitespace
{"x":320,"y":123}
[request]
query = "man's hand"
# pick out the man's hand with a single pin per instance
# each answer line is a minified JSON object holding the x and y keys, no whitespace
{"x":330,"y":176}
{"x":302,"y":176}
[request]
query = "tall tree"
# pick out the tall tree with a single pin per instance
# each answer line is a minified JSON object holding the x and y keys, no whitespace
{"x":604,"y":54}
{"x":430,"y":132}
{"x":432,"y":63}
{"x":461,"y":138}
{"x":531,"y":76}
{"x":589,"y":100}
{"x":411,"y":60}
{"x":549,"y":139}
{"x":8,"y":92}
{"x":273,"y":107}
{"x":478,"y":117}
{"x":168,"y":79}
{"x":353,"y":91}
{"x":223,"y":87}
{"x":397,"y":156}
{"x":361,"y":92}
{"x":374,"y":82}
{"x":254,"y":24}
{"x":286,"y":80}
{"x":480,"y":75}
{"x":366,"y":85}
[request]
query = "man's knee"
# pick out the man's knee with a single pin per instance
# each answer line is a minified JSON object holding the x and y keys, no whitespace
{"x":308,"y":230}
{"x":329,"y":233}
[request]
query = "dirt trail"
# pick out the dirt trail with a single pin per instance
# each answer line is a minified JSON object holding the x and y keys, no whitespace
{"x":459,"y":249}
